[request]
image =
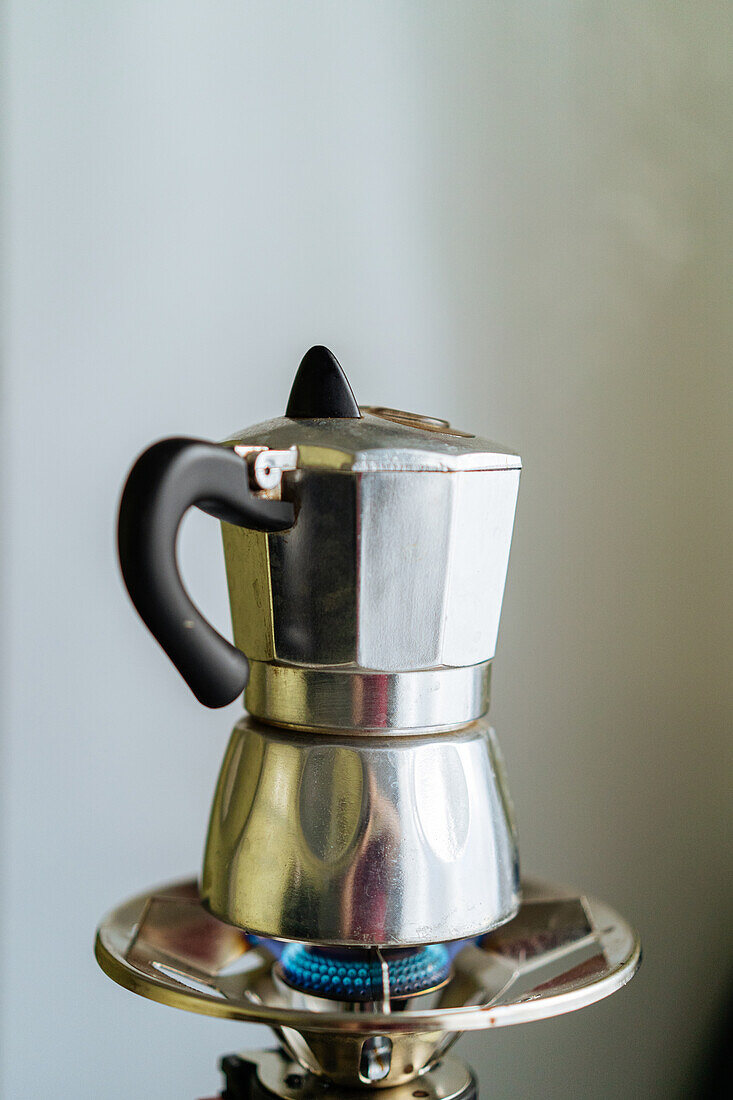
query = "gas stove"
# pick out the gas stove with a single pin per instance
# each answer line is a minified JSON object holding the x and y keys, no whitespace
{"x":360,"y":892}
{"x":393,"y":1024}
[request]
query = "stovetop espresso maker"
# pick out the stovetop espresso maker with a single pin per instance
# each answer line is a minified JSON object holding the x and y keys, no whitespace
{"x":360,"y":888}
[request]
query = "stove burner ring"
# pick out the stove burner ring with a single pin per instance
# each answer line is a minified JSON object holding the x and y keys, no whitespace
{"x":356,"y":975}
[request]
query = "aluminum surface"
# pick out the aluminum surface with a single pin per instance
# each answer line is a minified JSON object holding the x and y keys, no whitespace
{"x":560,"y":953}
{"x":396,"y":563}
{"x":340,"y":698}
{"x":380,"y":841}
{"x":395,"y":440}
{"x":385,"y":572}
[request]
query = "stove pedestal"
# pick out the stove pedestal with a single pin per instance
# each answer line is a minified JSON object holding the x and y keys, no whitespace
{"x":271,"y":1075}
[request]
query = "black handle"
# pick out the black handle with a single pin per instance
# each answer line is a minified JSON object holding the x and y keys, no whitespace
{"x":164,"y":483}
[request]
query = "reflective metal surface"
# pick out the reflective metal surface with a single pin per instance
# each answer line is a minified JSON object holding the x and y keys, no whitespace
{"x":415,"y":420}
{"x":560,"y":953}
{"x":390,"y":841}
{"x":285,"y":1079}
{"x":386,"y":572}
{"x":378,"y":1060}
{"x":382,"y":439}
{"x":342,"y":698}
{"x":396,"y":562}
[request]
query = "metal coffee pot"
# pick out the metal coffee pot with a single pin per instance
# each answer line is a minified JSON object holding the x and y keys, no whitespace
{"x":362,"y":800}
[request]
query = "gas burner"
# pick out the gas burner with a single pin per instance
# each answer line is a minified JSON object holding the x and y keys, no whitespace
{"x":560,"y":953}
{"x":354,"y":975}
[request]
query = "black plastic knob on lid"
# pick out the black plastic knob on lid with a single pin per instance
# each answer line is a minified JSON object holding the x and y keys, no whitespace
{"x":321,"y":389}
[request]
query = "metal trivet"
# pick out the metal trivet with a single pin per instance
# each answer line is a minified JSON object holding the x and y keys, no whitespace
{"x":560,"y":953}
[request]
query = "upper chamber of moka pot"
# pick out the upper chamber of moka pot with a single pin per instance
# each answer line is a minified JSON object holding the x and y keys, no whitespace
{"x":363,"y":802}
{"x":379,"y":608}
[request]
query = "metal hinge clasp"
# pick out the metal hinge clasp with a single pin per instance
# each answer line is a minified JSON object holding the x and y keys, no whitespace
{"x":266,"y":467}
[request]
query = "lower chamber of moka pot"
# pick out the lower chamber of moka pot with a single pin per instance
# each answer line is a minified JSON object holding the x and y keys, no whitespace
{"x":352,"y":840}
{"x":361,"y":1018}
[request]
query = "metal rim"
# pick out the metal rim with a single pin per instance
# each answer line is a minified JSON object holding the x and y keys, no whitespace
{"x":336,"y":700}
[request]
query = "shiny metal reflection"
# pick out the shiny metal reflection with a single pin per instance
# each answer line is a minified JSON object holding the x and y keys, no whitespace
{"x":560,"y":953}
{"x":391,"y":841}
{"x":345,"y":698}
{"x":391,"y":570}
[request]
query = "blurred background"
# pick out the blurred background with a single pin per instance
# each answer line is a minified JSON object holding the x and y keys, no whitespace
{"x":515,"y":216}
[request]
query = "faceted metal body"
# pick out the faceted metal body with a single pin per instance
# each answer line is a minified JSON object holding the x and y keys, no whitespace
{"x":386,"y":571}
{"x":398,"y":556}
{"x":384,"y":841}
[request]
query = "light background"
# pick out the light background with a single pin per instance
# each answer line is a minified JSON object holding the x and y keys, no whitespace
{"x":517,"y":216}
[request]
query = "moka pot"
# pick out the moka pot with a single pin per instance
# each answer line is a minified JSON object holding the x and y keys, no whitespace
{"x":362,"y":799}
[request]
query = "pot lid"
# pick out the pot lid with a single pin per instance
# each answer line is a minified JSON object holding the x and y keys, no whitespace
{"x":330,"y":431}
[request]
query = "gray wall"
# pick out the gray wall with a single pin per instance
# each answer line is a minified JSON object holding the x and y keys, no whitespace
{"x":517,"y":216}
